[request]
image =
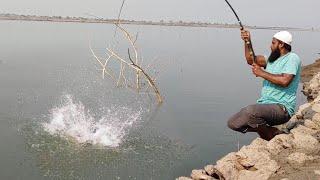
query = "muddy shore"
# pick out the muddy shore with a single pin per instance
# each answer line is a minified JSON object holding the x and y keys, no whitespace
{"x":292,"y":156}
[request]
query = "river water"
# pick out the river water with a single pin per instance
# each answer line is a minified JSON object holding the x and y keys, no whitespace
{"x":60,"y":120}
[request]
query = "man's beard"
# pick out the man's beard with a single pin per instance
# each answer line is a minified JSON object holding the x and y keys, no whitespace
{"x":274,"y":55}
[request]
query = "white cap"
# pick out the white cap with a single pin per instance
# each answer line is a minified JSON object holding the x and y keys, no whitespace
{"x":284,"y":36}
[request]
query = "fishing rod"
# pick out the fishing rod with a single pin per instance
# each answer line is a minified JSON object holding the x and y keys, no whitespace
{"x":248,"y":42}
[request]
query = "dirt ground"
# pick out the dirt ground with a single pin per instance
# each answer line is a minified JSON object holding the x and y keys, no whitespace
{"x":309,"y":70}
{"x":308,"y":171}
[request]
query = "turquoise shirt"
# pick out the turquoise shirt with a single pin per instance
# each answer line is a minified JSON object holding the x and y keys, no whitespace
{"x":272,"y":93}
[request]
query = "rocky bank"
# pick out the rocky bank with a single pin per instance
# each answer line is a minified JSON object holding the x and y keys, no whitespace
{"x":292,"y":156}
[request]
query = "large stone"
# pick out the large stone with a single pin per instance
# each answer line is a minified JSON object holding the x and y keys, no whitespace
{"x":306,"y":143}
{"x":258,"y":143}
{"x":304,"y":130}
{"x":200,"y":174}
{"x":292,"y":123}
{"x":316,"y":108}
{"x":317,"y":99}
{"x":310,"y":92}
{"x":257,"y":162}
{"x":308,"y":113}
{"x":228,"y":166}
{"x":255,"y":175}
{"x":311,"y":88}
{"x":210,"y":170}
{"x":302,"y":107}
{"x":312,"y":125}
{"x":316,"y":118}
{"x":317,"y":172}
{"x":298,"y":159}
{"x":314,"y":84}
{"x":280,"y":143}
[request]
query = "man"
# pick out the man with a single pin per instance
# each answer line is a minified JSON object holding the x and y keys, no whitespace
{"x":281,"y":74}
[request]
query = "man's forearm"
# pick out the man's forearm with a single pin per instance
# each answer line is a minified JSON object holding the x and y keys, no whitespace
{"x":277,"y":79}
{"x":247,"y":54}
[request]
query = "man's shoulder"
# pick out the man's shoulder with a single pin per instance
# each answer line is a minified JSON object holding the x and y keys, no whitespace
{"x":294,"y":56}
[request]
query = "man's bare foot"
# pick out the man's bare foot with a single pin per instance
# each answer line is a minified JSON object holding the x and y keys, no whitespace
{"x":268,"y":132}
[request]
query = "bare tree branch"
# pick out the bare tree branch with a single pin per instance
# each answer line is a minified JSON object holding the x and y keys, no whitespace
{"x":133,"y":64}
{"x":104,"y":69}
{"x":118,"y":19}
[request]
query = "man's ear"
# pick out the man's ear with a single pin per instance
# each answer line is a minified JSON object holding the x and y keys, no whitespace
{"x":281,"y":45}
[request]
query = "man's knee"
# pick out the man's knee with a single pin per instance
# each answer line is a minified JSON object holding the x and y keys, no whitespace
{"x":249,"y":110}
{"x":236,"y":125}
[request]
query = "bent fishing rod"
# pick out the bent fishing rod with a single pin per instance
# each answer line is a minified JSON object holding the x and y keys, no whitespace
{"x":248,"y":42}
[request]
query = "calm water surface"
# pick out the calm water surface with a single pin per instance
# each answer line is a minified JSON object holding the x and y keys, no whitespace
{"x":46,"y":70}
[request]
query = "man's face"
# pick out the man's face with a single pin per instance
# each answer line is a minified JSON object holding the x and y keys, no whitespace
{"x":275,"y":50}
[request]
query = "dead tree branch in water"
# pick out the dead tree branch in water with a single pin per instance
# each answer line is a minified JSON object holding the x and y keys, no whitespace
{"x":132,"y":62}
{"x":103,"y":65}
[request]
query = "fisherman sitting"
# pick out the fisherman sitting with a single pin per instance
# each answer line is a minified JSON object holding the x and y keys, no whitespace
{"x":281,"y":74}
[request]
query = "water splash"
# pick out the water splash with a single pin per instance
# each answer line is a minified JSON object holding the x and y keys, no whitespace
{"x":71,"y":119}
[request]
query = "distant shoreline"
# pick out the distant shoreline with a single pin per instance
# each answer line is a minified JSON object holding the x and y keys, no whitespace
{"x":16,"y":17}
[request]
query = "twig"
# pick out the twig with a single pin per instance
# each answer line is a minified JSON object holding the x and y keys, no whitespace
{"x":131,"y":63}
{"x":140,"y":70}
{"x":104,"y":69}
{"x":118,"y":19}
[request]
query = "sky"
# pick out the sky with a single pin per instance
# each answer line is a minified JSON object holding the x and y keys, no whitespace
{"x":293,"y":13}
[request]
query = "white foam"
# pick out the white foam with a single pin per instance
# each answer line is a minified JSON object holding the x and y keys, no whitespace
{"x":73,"y":120}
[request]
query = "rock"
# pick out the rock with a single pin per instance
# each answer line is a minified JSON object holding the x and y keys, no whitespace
{"x":316,"y":108}
{"x":290,"y":125}
{"x":298,"y":116}
{"x":200,"y":174}
{"x":317,"y":136}
{"x":285,"y":179}
{"x":210,"y":170}
{"x":183,"y":178}
{"x":304,"y":130}
{"x":316,"y":100}
{"x":314,"y":84}
{"x":311,"y":88}
{"x":259,"y":143}
{"x":253,"y":175}
{"x":312,"y":125}
{"x":305,"y":143}
{"x":298,"y":159}
{"x":257,"y":163}
{"x":308,"y":113}
{"x":317,"y":172}
{"x":280,"y":143}
{"x":303,"y":107}
{"x":316,"y":118}
{"x":248,"y":153}
{"x":308,"y":91}
{"x":228,"y":166}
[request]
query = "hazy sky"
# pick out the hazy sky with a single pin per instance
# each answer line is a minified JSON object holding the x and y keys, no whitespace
{"x":299,"y":13}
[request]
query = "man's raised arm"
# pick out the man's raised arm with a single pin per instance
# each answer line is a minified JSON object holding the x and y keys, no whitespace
{"x":260,"y":60}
